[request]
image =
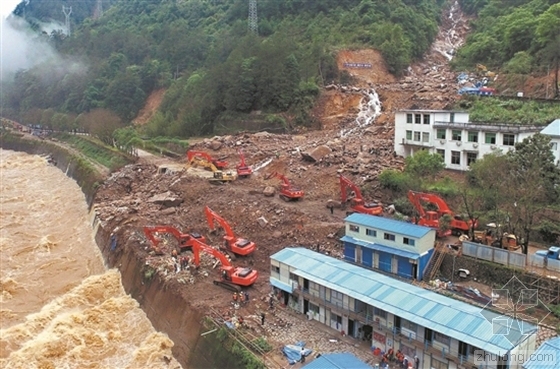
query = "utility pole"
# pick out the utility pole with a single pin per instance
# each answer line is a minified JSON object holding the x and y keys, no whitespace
{"x":67,"y":10}
{"x":253,"y":18}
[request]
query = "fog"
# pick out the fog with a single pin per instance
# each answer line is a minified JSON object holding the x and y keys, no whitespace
{"x":21,"y":48}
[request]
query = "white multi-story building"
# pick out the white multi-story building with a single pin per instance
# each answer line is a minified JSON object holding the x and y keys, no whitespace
{"x":450,"y":134}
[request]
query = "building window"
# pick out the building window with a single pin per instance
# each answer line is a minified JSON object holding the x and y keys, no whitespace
{"x":380,"y":313}
{"x":490,"y":138}
{"x":471,"y":158}
{"x":441,"y":134}
{"x":416,"y":136}
{"x":456,"y":135}
{"x":554,"y":146}
{"x":425,"y":137}
{"x":426,"y":119}
{"x":371,"y":232}
{"x":293,"y":277}
{"x":408,"y":241}
{"x":314,"y":308}
{"x":409,"y":118}
{"x":509,"y":140}
{"x":406,"y":324}
{"x":441,"y":338}
{"x":442,"y":153}
{"x":473,"y":136}
{"x":436,"y":364}
{"x":354,"y":228}
{"x":275,"y":269}
{"x":389,"y":236}
{"x":456,"y":157}
{"x":314,"y":289}
{"x":451,"y":117}
{"x":417,"y":118}
{"x":409,"y":135}
{"x":337,"y":297}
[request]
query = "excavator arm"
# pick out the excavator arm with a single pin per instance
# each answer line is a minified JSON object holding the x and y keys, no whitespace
{"x":346,"y":184}
{"x":243,"y":170}
{"x":287,"y":191}
{"x":212,"y":216}
{"x":414,"y":198}
{"x":236,"y":245}
{"x":182,"y":238}
{"x":192,"y":154}
{"x":198,"y":246}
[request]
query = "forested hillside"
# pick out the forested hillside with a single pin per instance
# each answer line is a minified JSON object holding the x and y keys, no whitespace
{"x":214,"y":69}
{"x":517,"y":36}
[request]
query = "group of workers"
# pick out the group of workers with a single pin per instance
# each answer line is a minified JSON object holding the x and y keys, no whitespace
{"x":240,"y":297}
{"x":399,"y":357}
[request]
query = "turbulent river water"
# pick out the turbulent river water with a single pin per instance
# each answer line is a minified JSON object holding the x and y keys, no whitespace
{"x":59,"y":306}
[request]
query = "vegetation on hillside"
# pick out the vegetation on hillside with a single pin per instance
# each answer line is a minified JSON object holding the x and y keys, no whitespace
{"x":522,"y":36}
{"x":214,"y":68}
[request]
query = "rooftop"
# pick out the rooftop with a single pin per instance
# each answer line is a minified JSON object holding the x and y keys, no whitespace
{"x":547,"y":356}
{"x":390,"y":225}
{"x":453,"y":318}
{"x":337,"y":361}
{"x":431,"y":111}
{"x":553,"y":129}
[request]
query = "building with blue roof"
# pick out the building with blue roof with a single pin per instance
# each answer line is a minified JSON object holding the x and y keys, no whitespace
{"x":442,"y":332}
{"x":337,"y":361}
{"x":547,"y":356}
{"x":388,"y":245}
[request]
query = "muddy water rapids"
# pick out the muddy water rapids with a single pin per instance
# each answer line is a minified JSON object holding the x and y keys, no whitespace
{"x":59,"y":306}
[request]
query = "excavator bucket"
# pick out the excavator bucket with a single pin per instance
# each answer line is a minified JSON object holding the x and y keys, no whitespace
{"x":269,"y":175}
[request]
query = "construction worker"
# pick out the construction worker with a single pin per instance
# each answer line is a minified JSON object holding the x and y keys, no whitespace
{"x":246,"y":294}
{"x":262,"y":318}
{"x":235,"y":297}
{"x":174,"y":254}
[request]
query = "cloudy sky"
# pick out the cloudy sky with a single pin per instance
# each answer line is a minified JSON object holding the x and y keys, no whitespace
{"x":8,"y":6}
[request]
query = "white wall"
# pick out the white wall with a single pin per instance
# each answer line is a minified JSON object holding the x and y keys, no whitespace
{"x":426,"y":138}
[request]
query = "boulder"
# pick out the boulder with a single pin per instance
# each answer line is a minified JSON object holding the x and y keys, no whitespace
{"x":262,"y":221}
{"x":166,"y":199}
{"x":269,"y":191}
{"x":317,"y":153}
{"x":215,"y":145}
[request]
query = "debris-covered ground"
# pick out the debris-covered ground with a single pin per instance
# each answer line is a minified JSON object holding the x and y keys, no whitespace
{"x":356,"y":139}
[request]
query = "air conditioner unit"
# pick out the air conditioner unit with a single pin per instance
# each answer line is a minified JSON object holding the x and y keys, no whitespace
{"x":475,"y":145}
{"x":442,"y":141}
{"x":458,"y":143}
{"x":493,"y":147}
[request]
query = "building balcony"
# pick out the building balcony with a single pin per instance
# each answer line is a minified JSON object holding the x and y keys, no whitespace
{"x":488,"y":127}
{"x":404,"y":141}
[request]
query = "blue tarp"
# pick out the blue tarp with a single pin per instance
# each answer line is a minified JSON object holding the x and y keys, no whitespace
{"x":294,"y":352}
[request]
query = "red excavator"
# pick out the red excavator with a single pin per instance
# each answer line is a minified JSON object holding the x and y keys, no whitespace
{"x":243,"y":170}
{"x":182,"y":238}
{"x":357,"y":203}
{"x":232,"y":277}
{"x":220,"y":164}
{"x":287,"y":192}
{"x":431,"y":218}
{"x":232,"y":243}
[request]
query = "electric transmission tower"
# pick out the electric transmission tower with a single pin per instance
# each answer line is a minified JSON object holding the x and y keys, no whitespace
{"x":99,"y":8}
{"x":253,"y":18}
{"x":67,"y":10}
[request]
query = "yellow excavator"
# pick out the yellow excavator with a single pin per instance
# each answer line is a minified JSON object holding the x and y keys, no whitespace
{"x":219,"y":176}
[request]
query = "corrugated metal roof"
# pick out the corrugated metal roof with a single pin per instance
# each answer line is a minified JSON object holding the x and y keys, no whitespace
{"x":382,"y":248}
{"x":547,"y":356}
{"x":553,"y":129}
{"x":442,"y":314}
{"x":337,"y":361}
{"x":390,"y":225}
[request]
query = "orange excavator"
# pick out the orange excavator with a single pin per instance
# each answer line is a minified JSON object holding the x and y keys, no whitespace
{"x":192,"y":154}
{"x":243,"y":170}
{"x":182,"y":238}
{"x":430,"y":218}
{"x":357,"y":203}
{"x":232,"y":243}
{"x":232,"y":278}
{"x":287,"y":192}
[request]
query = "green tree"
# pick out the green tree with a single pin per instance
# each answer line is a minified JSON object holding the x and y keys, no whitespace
{"x":535,"y":178}
{"x":424,"y":164}
{"x":548,"y":35}
{"x":396,"y":50}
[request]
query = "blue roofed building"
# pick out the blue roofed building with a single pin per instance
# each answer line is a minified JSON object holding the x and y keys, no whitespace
{"x":337,"y":361}
{"x":388,"y":245}
{"x":442,"y":332}
{"x":547,"y":356}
